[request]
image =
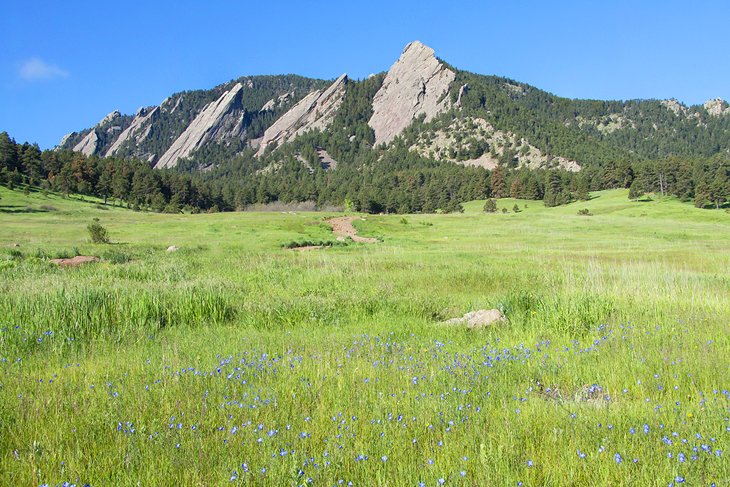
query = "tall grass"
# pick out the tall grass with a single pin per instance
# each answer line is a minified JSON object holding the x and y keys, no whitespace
{"x":156,"y":368}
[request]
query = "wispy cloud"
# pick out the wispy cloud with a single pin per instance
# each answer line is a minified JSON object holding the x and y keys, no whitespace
{"x":36,"y":69}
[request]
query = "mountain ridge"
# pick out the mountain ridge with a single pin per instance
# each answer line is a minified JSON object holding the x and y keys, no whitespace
{"x":517,"y":124}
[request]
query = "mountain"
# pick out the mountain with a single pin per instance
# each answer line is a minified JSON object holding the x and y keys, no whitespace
{"x":228,"y":115}
{"x":422,"y":104}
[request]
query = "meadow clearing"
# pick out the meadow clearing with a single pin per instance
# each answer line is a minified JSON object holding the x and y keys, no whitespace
{"x":236,"y":361}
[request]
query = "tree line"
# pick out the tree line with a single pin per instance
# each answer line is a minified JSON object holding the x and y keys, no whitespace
{"x":396,"y":180}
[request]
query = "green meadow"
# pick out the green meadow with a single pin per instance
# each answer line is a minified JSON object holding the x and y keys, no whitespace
{"x":234,"y":360}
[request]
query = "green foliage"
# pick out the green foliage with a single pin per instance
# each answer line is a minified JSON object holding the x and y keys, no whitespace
{"x":358,"y":331}
{"x":490,"y":206}
{"x":98,"y":233}
{"x":294,"y":244}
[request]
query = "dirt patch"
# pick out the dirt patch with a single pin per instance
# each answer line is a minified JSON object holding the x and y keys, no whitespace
{"x":342,"y":228}
{"x":76,"y":261}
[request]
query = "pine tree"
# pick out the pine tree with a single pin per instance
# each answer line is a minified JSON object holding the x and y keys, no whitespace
{"x":499,"y":187}
{"x":637,"y":189}
{"x":581,"y":191}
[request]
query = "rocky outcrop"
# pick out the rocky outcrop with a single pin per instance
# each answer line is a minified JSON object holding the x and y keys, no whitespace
{"x":717,"y":107}
{"x":416,"y":84}
{"x":65,"y":139}
{"x":218,"y":121}
{"x":462,"y":91}
{"x":276,"y":102}
{"x":471,"y":141}
{"x":110,"y":118}
{"x":674,"y":106}
{"x":314,"y":111}
{"x":137,"y":131}
{"x":88,"y":144}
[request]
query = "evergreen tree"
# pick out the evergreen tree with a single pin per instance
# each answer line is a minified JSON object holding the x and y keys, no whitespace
{"x":499,"y":186}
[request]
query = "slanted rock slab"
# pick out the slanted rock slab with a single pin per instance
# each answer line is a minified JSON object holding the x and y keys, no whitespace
{"x":479,"y":319}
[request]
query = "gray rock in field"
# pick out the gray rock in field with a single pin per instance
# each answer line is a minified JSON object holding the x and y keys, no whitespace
{"x":173,"y":248}
{"x":479,"y":319}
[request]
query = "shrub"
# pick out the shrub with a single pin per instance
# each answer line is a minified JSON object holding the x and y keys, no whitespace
{"x":516,"y":208}
{"x":116,"y":257}
{"x":98,"y":233}
{"x":585,"y":212}
{"x":490,"y":206}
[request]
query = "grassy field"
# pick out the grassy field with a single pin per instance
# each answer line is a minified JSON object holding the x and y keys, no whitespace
{"x":234,"y":360}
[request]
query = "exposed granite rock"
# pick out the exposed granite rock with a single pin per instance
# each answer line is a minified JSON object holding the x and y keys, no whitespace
{"x":717,"y":107}
{"x":110,"y":118}
{"x":276,"y":102}
{"x":462,"y":91}
{"x":137,"y":130}
{"x":675,"y":106}
{"x":314,"y":111}
{"x":88,"y":144}
{"x":65,"y":139}
{"x":219,"y":120}
{"x":416,"y":84}
{"x":472,"y":136}
{"x":269,"y":105}
{"x":476,"y":320}
{"x":325,"y":160}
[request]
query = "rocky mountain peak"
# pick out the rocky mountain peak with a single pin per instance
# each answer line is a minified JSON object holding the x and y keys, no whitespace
{"x":675,"y":106}
{"x":717,"y":107}
{"x":220,"y":120}
{"x":416,"y":84}
{"x":110,"y":118}
{"x":314,"y":111}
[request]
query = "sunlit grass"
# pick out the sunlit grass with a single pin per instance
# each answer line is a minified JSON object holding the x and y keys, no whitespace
{"x":154,"y":368}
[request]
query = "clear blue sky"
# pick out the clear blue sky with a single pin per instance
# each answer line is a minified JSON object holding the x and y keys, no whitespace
{"x":64,"y":65}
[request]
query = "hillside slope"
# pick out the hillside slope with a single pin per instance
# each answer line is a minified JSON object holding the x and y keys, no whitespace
{"x":438,"y":111}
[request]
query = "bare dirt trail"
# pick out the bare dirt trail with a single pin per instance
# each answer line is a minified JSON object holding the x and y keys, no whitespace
{"x":342,"y":228}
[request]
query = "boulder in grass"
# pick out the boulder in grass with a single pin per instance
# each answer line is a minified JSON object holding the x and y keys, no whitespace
{"x":75,"y":261}
{"x":479,"y":319}
{"x":173,"y":248}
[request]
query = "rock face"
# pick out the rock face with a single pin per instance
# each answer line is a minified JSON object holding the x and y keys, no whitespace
{"x":479,"y":319}
{"x":110,"y":118}
{"x":462,"y":91}
{"x":88,"y":144}
{"x":137,"y":131}
{"x":314,"y":111}
{"x":717,"y":107}
{"x":475,"y":142}
{"x":416,"y":84}
{"x":219,"y":120}
{"x":273,"y":103}
{"x":65,"y":139}
{"x":675,"y":107}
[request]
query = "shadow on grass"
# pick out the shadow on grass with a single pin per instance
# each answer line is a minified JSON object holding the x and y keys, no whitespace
{"x":21,"y":209}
